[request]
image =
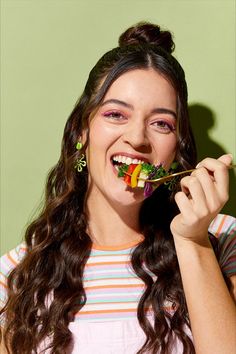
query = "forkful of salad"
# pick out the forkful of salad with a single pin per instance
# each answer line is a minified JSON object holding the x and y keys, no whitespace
{"x":149,"y":177}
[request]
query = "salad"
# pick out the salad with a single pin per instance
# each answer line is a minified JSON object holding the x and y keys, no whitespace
{"x":131,"y":174}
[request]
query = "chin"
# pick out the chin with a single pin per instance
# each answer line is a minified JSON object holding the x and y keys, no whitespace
{"x":128,"y":197}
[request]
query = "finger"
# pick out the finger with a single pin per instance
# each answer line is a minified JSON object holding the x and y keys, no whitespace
{"x":221,"y":176}
{"x":184,"y":205}
{"x":213,"y":200}
{"x":226,"y":159}
{"x":197,"y":193}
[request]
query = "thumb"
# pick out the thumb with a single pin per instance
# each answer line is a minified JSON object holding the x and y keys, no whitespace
{"x":226,"y":159}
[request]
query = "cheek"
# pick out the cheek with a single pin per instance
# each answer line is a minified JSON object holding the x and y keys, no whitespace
{"x":172,"y":144}
{"x":166,"y":149}
{"x":101,"y":138}
{"x":168,"y":143}
{"x":103,"y":135}
{"x":97,"y":137}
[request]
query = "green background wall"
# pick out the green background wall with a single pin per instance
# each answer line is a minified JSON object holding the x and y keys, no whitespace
{"x":47,"y":49}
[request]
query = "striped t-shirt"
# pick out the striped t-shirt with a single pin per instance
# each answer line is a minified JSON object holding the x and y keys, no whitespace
{"x":112,"y":288}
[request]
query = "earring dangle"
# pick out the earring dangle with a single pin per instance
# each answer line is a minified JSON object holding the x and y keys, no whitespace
{"x":80,"y":163}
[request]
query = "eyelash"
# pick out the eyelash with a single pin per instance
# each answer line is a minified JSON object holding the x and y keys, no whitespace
{"x":116,"y":115}
{"x":163,"y":127}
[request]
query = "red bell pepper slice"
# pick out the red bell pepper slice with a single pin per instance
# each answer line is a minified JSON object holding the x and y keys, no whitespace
{"x":130,"y":170}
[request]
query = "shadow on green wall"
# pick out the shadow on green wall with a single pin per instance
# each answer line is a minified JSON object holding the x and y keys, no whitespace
{"x":202,"y":121}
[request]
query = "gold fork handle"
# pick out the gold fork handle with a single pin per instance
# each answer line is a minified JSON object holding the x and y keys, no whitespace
{"x":165,"y":178}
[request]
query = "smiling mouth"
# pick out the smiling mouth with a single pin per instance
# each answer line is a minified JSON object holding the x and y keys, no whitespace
{"x":119,"y":160}
{"x":141,"y":173}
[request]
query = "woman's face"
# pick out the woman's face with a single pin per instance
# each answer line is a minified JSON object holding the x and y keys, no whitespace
{"x":136,"y":120}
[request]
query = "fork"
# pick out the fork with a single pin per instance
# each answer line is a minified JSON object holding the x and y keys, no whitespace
{"x":166,"y":178}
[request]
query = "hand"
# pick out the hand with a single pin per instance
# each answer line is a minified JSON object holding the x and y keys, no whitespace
{"x":202,"y":196}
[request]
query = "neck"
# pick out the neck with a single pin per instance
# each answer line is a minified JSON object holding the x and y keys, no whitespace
{"x":111,"y":224}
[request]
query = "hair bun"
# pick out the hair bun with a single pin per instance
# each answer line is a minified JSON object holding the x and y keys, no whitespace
{"x":147,"y":33}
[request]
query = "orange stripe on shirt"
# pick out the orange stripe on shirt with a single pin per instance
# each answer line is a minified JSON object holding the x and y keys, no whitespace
{"x":110,"y":255}
{"x":114,"y":286}
{"x":107,"y":311}
{"x":220,"y":226}
{"x":12,"y":260}
{"x":4,"y":285}
{"x":106,"y":263}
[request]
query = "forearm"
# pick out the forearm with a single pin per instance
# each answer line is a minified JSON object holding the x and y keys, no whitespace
{"x":211,"y":309}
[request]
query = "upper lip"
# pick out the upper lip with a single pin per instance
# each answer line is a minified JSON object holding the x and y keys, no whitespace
{"x":132,"y":156}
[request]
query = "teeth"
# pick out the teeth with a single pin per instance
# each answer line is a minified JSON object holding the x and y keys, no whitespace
{"x":126,"y":160}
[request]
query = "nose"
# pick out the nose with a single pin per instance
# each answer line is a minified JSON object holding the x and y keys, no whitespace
{"x":136,"y":135}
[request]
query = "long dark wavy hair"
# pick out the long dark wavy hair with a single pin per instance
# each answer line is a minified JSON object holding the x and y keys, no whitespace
{"x":58,"y":245}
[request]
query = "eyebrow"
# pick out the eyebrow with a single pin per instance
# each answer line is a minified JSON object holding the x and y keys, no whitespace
{"x":130,"y":106}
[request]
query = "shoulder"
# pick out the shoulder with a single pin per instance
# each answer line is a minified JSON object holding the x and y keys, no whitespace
{"x":11,"y":259}
{"x":7,"y":263}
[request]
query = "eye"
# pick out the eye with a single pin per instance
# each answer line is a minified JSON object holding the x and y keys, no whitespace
{"x":114,"y":115}
{"x":163,"y":126}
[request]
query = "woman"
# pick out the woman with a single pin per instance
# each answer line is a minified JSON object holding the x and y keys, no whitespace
{"x":104,"y":269}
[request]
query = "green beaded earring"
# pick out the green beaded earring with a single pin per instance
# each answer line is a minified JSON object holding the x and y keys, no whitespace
{"x":79,"y":145}
{"x":80,"y":163}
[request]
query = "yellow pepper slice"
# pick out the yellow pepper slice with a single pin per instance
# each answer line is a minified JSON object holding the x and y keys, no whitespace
{"x":135,"y":174}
